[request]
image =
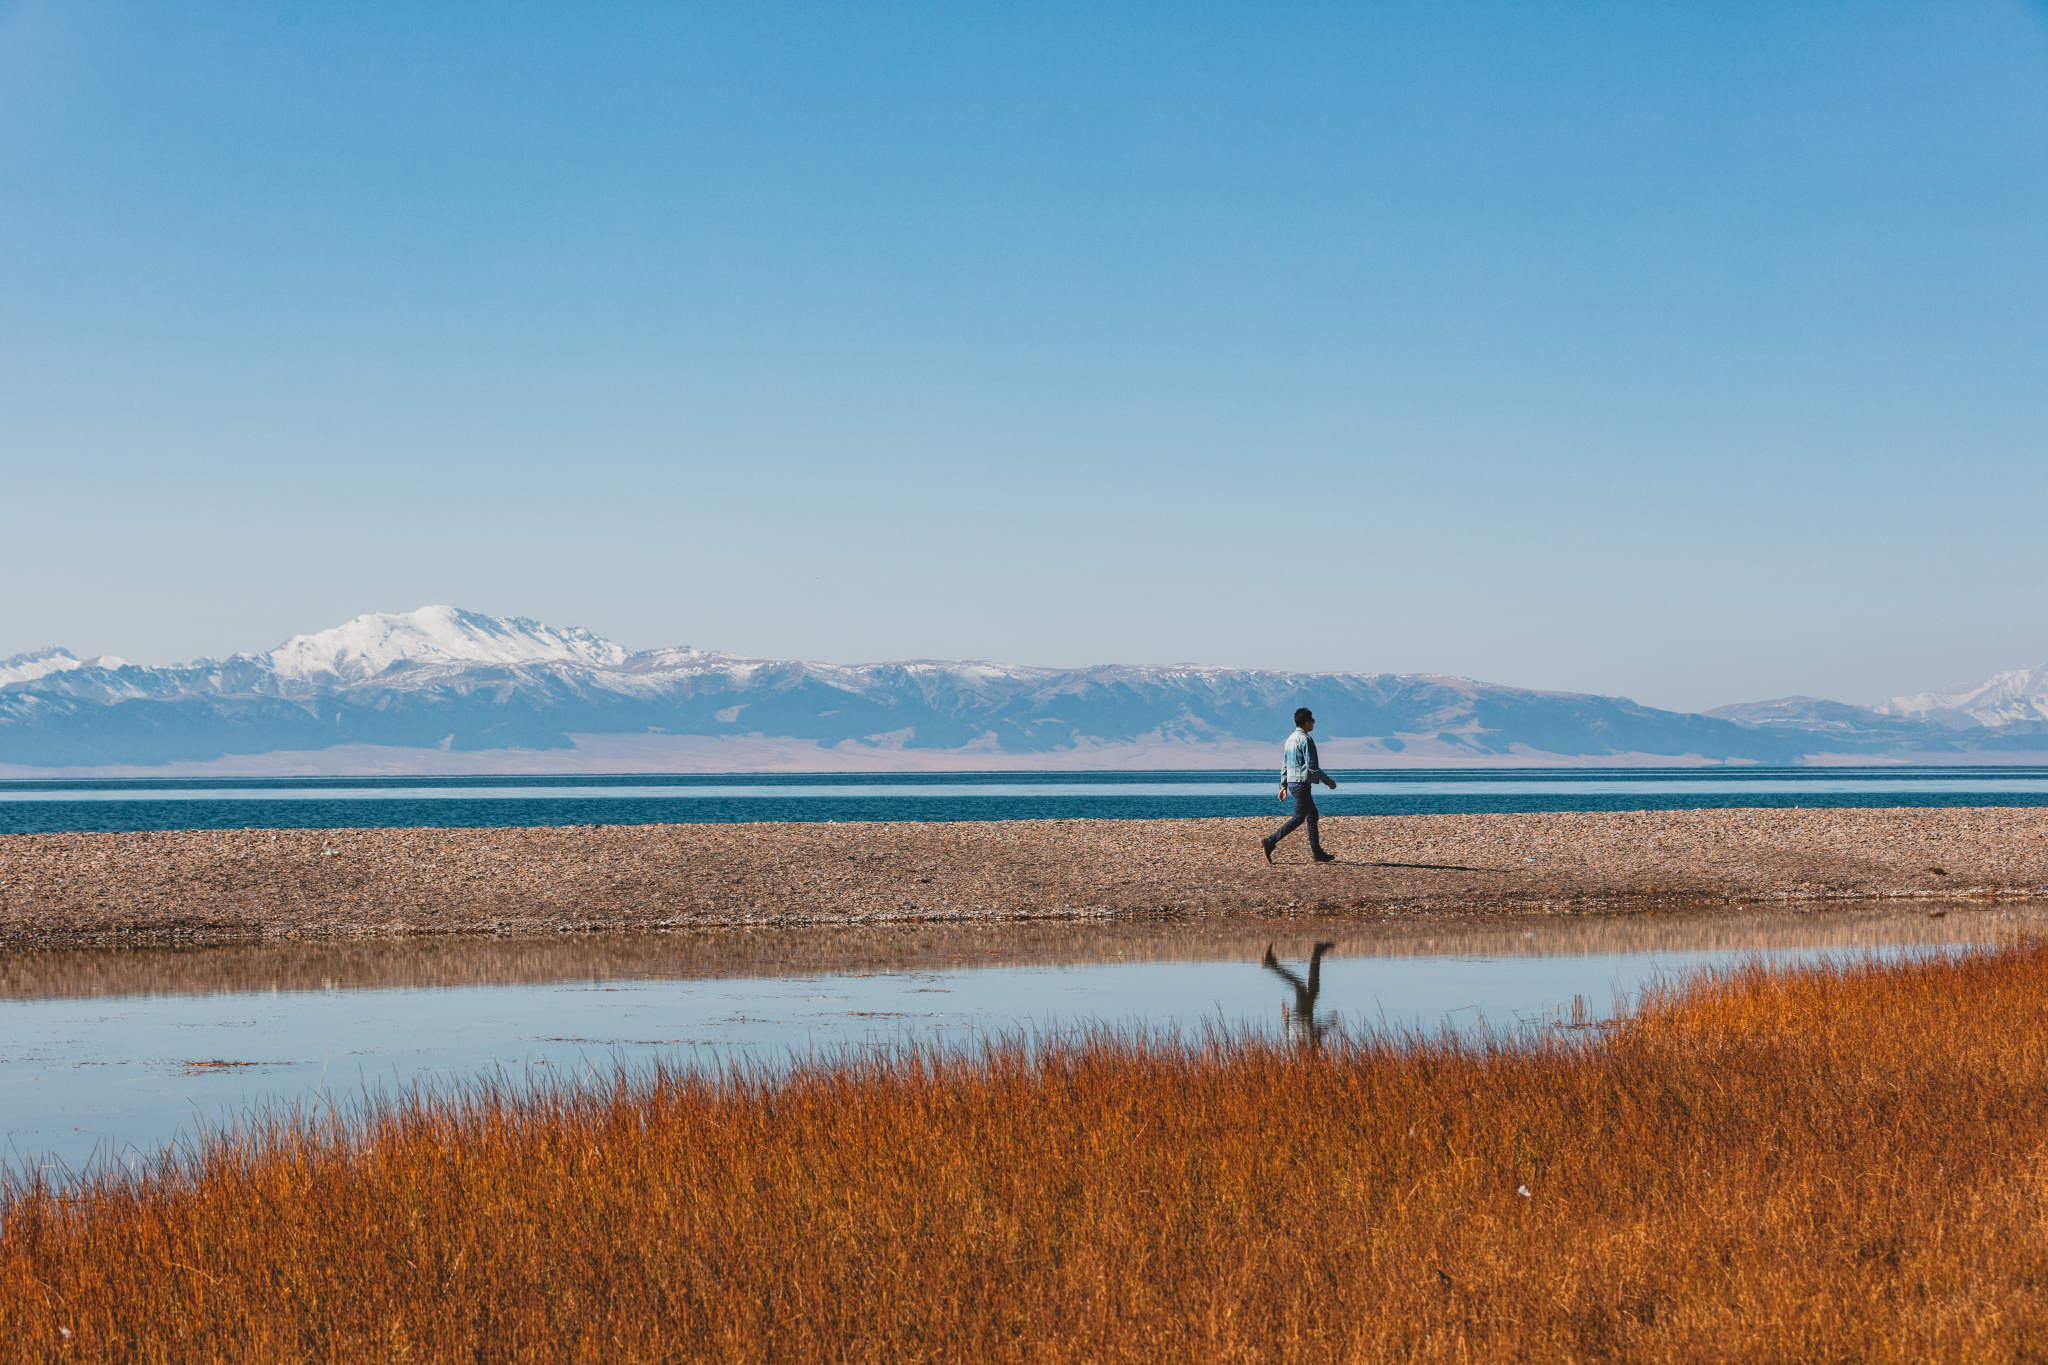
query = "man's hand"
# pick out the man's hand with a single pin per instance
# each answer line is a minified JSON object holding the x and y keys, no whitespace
{"x":1330,"y":782}
{"x":1283,"y":792}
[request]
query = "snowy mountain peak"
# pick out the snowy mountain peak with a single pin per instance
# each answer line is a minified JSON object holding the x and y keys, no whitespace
{"x":371,"y":644}
{"x":41,"y":663}
{"x":2017,"y":694}
{"x":36,"y":663}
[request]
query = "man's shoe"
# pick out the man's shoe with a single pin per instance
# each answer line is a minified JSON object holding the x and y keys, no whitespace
{"x":1326,"y":857}
{"x":1267,"y":846}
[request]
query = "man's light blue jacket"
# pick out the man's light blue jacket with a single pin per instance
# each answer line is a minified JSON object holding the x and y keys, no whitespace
{"x":1299,"y":759}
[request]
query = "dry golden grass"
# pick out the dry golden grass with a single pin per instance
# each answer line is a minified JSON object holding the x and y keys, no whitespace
{"x":1806,"y":1166}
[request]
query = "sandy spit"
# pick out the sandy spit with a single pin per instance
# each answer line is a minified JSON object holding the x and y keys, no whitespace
{"x":64,"y":889}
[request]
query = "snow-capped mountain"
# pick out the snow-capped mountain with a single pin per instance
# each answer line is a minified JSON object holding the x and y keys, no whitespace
{"x":462,"y":682}
{"x":39,"y":663}
{"x":376,"y":643}
{"x":2018,"y":696}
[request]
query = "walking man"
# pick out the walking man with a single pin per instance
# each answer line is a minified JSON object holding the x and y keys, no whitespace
{"x":1298,"y":777}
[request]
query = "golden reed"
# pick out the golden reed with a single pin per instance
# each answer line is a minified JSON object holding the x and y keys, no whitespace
{"x":1809,"y":1165}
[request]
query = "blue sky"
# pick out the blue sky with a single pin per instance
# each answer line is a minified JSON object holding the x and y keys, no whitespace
{"x":1689,"y":352}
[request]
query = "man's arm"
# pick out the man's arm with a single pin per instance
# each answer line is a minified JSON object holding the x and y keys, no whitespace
{"x":1315,"y":770}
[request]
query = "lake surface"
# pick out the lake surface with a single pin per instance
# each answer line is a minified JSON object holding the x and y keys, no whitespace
{"x":110,"y":1054}
{"x":50,"y":806}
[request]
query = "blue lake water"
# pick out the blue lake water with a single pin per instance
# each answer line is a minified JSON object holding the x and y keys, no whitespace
{"x":109,"y":1055}
{"x":44,"y":806}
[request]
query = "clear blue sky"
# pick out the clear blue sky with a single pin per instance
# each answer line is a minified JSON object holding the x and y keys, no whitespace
{"x":1697,"y":352}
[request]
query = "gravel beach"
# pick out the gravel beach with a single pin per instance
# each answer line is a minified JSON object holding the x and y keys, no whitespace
{"x":77,"y":889}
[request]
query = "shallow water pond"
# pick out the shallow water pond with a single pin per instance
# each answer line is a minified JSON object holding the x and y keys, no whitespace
{"x":110,"y":1055}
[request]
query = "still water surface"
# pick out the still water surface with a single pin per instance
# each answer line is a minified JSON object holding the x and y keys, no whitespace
{"x":110,"y":1055}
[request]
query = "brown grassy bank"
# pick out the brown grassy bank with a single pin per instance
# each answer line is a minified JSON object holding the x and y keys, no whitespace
{"x":1822,"y":1165}
{"x":75,"y":889}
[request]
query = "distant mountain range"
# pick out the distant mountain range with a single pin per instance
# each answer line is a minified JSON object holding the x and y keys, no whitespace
{"x":441,"y":689}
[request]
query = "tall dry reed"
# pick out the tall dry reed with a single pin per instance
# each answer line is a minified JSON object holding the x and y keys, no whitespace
{"x":1810,"y":1165}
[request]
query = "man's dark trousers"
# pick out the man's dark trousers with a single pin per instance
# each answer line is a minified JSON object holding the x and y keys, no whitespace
{"x":1304,"y":809}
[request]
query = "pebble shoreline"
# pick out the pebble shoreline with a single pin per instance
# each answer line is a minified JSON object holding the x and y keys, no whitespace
{"x":219,"y":885}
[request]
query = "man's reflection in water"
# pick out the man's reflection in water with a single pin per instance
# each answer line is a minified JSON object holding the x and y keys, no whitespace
{"x":1301,"y":1022}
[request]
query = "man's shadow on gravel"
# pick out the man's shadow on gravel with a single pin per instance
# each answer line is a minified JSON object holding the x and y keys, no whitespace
{"x":1425,"y":867}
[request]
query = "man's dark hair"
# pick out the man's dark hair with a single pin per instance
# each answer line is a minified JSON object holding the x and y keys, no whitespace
{"x":1303,"y":716}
